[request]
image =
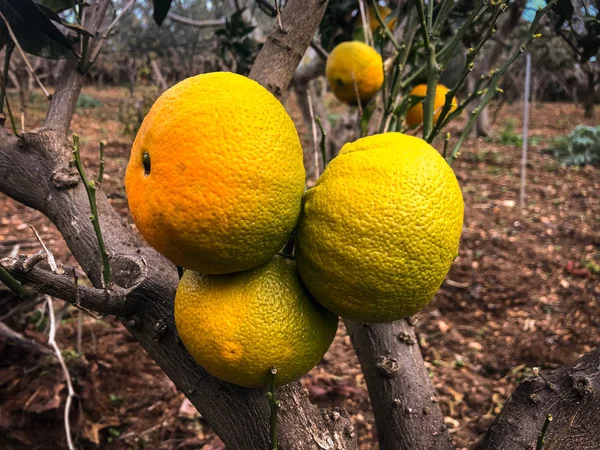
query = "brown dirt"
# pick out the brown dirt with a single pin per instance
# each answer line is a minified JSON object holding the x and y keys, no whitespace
{"x":523,"y":293}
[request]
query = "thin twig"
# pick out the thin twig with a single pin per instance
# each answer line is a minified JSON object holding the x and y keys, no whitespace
{"x":67,"y":375}
{"x":49,"y":255}
{"x":358,"y":103}
{"x":446,"y":141}
{"x":29,"y":67}
{"x":14,"y":285}
{"x":542,"y":435}
{"x":278,"y":15}
{"x":22,"y":121}
{"x":274,"y":403}
{"x":323,"y":142}
{"x":100,"y":42}
{"x":10,"y":114}
{"x":90,"y":189}
{"x":497,"y":76}
{"x":364,"y":15}
{"x":7,"y":54}
{"x":468,"y":68}
{"x":101,"y":170}
{"x":314,"y":133}
{"x":386,"y":30}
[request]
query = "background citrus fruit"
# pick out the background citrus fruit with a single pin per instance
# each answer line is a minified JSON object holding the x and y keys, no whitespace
{"x":380,"y":229}
{"x":216,"y":177}
{"x":354,"y":62}
{"x":384,"y":12}
{"x":238,"y":326}
{"x":414,"y":116}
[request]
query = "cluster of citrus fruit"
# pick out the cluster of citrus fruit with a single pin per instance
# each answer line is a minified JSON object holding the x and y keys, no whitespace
{"x":216,"y":184}
{"x":355,"y":74}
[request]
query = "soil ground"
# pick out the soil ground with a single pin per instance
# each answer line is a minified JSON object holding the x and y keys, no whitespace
{"x":524,"y":293}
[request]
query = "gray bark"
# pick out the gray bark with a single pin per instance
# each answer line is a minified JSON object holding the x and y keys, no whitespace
{"x":570,"y":394}
{"x":407,"y":414}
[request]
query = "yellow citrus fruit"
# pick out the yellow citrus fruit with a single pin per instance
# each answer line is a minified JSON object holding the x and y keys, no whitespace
{"x":380,"y":229}
{"x":238,"y":326}
{"x":414,"y":116}
{"x":215,"y":179}
{"x":351,"y":67}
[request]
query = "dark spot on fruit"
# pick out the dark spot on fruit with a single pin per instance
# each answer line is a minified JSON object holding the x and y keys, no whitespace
{"x":146,"y":163}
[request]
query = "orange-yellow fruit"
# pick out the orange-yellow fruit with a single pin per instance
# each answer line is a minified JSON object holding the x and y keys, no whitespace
{"x":414,"y":116}
{"x":215,"y":179}
{"x":238,"y":326}
{"x":380,"y":229}
{"x":354,"y":69}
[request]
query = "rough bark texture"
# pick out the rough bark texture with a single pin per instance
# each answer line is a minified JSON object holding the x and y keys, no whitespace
{"x":36,"y":169}
{"x":403,"y":399}
{"x":276,"y":64}
{"x":570,"y":394}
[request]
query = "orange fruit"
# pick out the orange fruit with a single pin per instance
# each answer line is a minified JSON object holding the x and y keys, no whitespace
{"x":238,"y":326}
{"x":380,"y":229}
{"x":354,"y":68}
{"x":414,"y":116}
{"x":216,"y":175}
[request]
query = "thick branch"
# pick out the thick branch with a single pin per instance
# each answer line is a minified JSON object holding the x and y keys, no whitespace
{"x":570,"y":394}
{"x":407,"y":415}
{"x":276,"y":63}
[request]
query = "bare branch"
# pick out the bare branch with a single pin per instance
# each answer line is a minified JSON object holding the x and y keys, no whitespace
{"x":208,"y":23}
{"x":27,"y":63}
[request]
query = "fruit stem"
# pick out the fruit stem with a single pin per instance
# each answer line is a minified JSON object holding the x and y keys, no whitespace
{"x":274,"y":403}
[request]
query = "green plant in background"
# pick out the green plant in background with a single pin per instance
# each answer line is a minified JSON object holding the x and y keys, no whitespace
{"x":132,"y":110}
{"x":235,"y":45}
{"x":86,"y":101}
{"x":580,"y":147}
{"x":509,"y":136}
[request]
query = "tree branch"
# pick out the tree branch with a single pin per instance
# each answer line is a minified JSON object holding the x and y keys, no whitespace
{"x":276,"y":63}
{"x":570,"y":394}
{"x":71,"y":80}
{"x":196,"y":23}
{"x":407,"y":415}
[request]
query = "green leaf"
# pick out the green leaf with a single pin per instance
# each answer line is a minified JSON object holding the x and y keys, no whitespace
{"x":56,"y":5}
{"x":161,"y":8}
{"x":34,"y":30}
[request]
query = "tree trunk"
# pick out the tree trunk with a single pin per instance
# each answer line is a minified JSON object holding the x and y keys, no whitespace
{"x":407,"y":415}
